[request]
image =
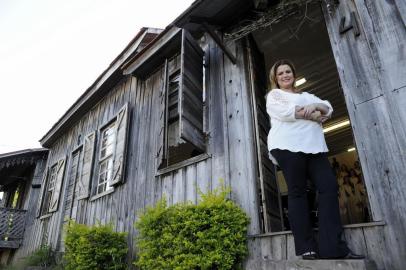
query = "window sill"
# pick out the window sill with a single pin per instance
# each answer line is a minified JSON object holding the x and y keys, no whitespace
{"x":95,"y":197}
{"x":45,"y":216}
{"x":182,"y":164}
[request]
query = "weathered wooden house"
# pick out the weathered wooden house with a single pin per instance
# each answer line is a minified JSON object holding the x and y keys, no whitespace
{"x":182,"y":108}
{"x":20,"y":179}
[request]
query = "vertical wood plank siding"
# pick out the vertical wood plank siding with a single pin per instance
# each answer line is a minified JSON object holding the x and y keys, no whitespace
{"x":373,"y":77}
{"x":229,"y":147}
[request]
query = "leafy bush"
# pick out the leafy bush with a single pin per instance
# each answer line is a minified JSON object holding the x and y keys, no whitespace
{"x":209,"y":235}
{"x":94,"y":248}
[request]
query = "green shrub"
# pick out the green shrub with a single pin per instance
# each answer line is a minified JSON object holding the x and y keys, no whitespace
{"x":94,"y":248}
{"x":209,"y":235}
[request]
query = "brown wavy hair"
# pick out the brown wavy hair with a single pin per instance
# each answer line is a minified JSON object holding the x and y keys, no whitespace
{"x":272,"y":72}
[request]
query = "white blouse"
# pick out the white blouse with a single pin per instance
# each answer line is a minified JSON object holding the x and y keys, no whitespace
{"x":289,"y":133}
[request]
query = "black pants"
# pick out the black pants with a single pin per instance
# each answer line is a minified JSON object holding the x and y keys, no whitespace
{"x":297,"y":168}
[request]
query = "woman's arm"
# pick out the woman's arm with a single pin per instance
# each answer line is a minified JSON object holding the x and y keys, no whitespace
{"x":320,"y":105}
{"x":310,"y":109}
{"x":314,"y":116}
{"x":279,"y":106}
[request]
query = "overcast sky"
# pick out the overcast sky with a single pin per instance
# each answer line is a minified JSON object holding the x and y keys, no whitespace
{"x":51,"y":51}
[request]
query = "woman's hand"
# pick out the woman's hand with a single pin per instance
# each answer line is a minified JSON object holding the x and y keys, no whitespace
{"x":315,"y":112}
{"x":314,"y":116}
{"x":301,"y":111}
{"x":308,"y":110}
{"x":323,"y":119}
{"x":299,"y":114}
{"x":318,"y":117}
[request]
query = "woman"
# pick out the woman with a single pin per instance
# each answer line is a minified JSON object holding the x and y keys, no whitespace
{"x":296,"y":143}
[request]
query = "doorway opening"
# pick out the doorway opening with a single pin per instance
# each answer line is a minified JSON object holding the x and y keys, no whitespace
{"x":306,"y":43}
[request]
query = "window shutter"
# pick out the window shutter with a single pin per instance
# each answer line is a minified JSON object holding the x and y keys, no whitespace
{"x":161,"y":143}
{"x":83,"y":185}
{"x":42,"y":192}
{"x":122,"y":128}
{"x":72,"y":180}
{"x":58,"y":186}
{"x":190,"y":92}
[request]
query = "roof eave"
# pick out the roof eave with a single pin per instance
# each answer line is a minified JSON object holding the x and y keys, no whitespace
{"x":23,"y":152}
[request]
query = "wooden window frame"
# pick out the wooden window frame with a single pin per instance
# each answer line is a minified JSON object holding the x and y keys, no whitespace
{"x":178,"y":76}
{"x":53,"y":171}
{"x":120,"y":124}
{"x":108,"y":157}
{"x":51,"y":188}
{"x":74,"y":175}
{"x":84,"y":184}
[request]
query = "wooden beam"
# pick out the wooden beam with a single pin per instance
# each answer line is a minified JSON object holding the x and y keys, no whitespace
{"x":220,"y":43}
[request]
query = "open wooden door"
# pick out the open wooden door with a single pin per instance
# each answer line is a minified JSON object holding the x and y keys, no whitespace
{"x":268,"y":189}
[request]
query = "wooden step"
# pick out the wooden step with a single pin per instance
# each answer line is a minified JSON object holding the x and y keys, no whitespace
{"x":365,"y":239}
{"x":312,"y":265}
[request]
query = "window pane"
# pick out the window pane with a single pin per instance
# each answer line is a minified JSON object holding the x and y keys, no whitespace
{"x":103,"y":167}
{"x":107,"y":142}
{"x":100,"y":189}
{"x":110,"y":139}
{"x":52,"y":178}
{"x":109,"y":173}
{"x":102,"y":178}
{"x":105,"y":175}
{"x":109,"y":149}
